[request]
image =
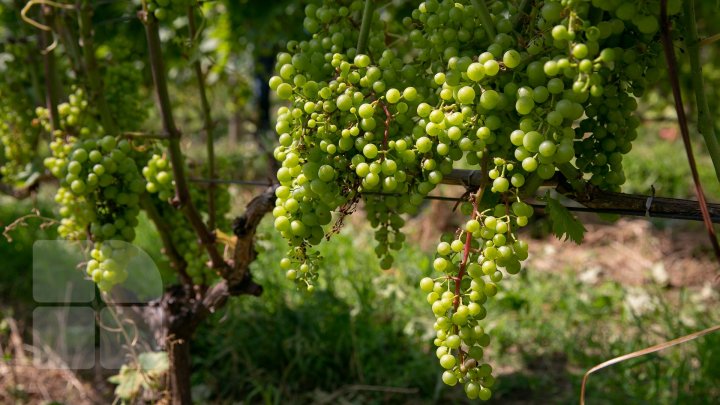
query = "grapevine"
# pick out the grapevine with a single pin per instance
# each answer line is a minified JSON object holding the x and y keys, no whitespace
{"x":160,"y":184}
{"x":519,"y":95}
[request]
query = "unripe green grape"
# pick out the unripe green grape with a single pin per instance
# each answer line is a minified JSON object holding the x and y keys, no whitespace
{"x":511,"y":58}
{"x":453,"y":341}
{"x":524,"y":105}
{"x":284,"y":91}
{"x":449,"y":378}
{"x":440,"y":264}
{"x":370,"y":151}
{"x":457,"y":245}
{"x":448,"y":361}
{"x":547,"y":148}
{"x":393,"y":96}
{"x":427,"y":284}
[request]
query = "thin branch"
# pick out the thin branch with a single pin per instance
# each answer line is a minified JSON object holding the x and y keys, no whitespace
{"x":70,"y":42}
{"x":92,"y":70}
{"x":244,"y":228}
{"x":176,"y":260}
{"x":231,"y":181}
{"x":365,"y":27}
{"x":28,"y":189}
{"x":386,"y":133}
{"x":51,"y":86}
{"x":182,"y":192}
{"x":208,"y":122}
{"x":466,"y":247}
{"x":642,"y":352}
{"x":46,"y":5}
{"x":485,"y":19}
{"x":145,"y":135}
{"x":709,"y":40}
{"x":517,"y":18}
{"x":705,"y":124}
{"x":594,"y":199}
{"x":682,"y":120}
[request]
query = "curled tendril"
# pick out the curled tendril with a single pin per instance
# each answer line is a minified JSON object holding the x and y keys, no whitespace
{"x":40,"y":26}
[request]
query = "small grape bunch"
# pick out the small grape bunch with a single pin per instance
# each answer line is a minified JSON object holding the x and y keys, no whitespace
{"x":167,"y":9}
{"x":158,"y":174}
{"x":109,"y":262}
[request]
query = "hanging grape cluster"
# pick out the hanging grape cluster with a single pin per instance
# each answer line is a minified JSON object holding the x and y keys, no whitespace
{"x":123,"y":84}
{"x":517,"y":94}
{"x":100,"y":187}
{"x":168,"y":9}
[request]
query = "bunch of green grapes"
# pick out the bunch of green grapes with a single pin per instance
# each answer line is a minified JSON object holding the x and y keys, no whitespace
{"x":341,"y":119}
{"x":108,"y":264}
{"x":100,"y":187}
{"x":18,"y":135}
{"x":123,"y":84}
{"x":159,"y":177}
{"x":168,"y":9}
{"x":518,"y":96}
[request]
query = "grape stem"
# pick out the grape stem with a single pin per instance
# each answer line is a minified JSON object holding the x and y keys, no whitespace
{"x":207,"y":120}
{"x":92,"y":70}
{"x":51,"y":86}
{"x":177,"y":261}
{"x":466,"y":249}
{"x":144,"y":135}
{"x":704,"y":119}
{"x":682,"y":120}
{"x":517,"y":18}
{"x":709,"y":40}
{"x":388,"y":118}
{"x":485,"y":18}
{"x":365,"y":26}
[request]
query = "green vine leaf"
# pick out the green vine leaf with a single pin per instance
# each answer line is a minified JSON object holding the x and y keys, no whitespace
{"x":565,"y":225}
{"x":145,"y":374}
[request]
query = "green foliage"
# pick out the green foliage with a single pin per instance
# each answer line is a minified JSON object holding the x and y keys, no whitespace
{"x":565,"y":225}
{"x":663,"y":164}
{"x":555,"y":327}
{"x":144,"y":375}
{"x":359,"y":327}
{"x":17,"y":255}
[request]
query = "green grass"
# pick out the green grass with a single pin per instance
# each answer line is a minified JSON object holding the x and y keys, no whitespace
{"x":663,"y":164}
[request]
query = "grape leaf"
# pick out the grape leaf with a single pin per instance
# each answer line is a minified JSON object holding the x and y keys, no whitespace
{"x":564,"y":224}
